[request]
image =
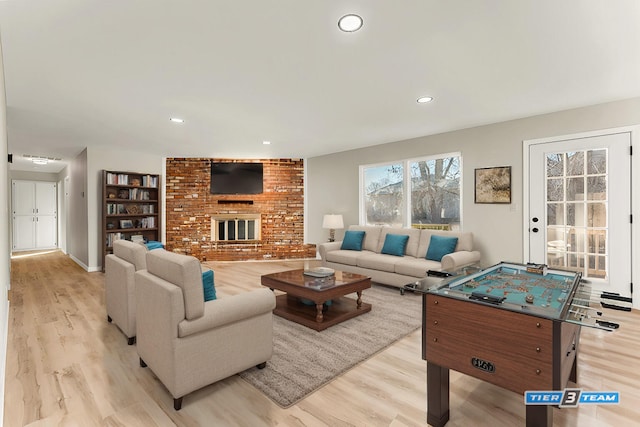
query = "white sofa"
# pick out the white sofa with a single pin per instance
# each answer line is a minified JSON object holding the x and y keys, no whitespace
{"x":398,"y":270}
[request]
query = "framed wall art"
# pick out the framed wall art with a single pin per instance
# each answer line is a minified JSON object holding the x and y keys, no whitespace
{"x":493,"y":185}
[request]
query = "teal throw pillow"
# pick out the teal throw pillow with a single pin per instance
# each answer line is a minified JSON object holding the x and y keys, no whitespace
{"x":152,"y":244}
{"x":352,"y":240}
{"x":440,"y":246}
{"x":395,"y":244}
{"x":208,"y":286}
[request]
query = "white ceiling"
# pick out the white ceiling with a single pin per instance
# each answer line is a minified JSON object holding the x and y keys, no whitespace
{"x":93,"y":72}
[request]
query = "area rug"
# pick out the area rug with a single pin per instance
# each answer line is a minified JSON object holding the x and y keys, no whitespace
{"x":304,"y":360}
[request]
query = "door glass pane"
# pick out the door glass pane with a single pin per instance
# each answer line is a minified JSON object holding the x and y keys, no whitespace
{"x":597,"y":267}
{"x":597,"y":242}
{"x":555,"y":189}
{"x":555,"y":214}
{"x":576,"y":241}
{"x":555,"y":164}
{"x":596,"y":188}
{"x":597,"y":214}
{"x":571,"y":214}
{"x":575,"y":262}
{"x":556,"y":246}
{"x":575,"y":189}
{"x":575,"y":163}
{"x":556,"y":260}
{"x":577,"y":211}
{"x":596,"y":162}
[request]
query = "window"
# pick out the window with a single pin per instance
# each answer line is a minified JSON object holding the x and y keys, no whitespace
{"x":384,"y":194}
{"x":433,"y":185}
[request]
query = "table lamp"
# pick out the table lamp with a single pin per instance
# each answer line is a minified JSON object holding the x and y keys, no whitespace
{"x":332,"y":222}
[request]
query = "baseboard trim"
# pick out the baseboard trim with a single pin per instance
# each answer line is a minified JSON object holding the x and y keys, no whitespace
{"x":84,"y":266}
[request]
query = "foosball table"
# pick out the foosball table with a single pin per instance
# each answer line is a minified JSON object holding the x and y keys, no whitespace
{"x":513,"y":325}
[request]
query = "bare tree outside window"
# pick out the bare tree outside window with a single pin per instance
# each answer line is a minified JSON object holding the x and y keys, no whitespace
{"x":384,"y":195}
{"x":434,"y":189}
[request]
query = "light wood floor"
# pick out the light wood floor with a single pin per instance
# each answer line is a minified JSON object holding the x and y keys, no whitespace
{"x":67,"y":366}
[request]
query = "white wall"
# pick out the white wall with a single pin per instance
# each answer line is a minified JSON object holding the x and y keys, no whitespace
{"x":77,"y":246}
{"x":332,"y":180}
{"x":5,"y":250}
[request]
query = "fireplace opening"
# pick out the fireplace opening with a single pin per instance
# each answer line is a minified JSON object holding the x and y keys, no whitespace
{"x":234,"y":228}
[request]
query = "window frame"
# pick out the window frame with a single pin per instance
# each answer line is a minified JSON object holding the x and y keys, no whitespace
{"x":406,"y":185}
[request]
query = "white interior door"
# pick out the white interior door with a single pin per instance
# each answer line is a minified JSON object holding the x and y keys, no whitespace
{"x":46,"y":215}
{"x":580,"y":208}
{"x":23,"y":208}
{"x":34,"y":207}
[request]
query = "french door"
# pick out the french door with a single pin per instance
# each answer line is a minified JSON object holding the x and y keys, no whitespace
{"x":579,"y":214}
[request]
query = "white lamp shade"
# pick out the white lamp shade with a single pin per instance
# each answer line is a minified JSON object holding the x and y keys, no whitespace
{"x":332,"y":221}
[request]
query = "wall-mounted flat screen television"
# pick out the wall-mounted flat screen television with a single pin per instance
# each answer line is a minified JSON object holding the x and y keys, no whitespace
{"x":236,"y":178}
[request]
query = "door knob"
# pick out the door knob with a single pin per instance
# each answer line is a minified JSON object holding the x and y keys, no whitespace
{"x":534,"y":229}
{"x":534,"y":219}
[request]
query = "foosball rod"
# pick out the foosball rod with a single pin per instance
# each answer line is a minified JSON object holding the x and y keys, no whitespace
{"x":607,"y":295}
{"x":603,"y":304}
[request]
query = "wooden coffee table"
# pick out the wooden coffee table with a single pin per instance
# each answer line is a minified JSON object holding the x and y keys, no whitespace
{"x":316,"y":291}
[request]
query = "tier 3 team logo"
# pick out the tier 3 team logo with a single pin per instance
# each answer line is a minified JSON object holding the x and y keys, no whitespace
{"x":571,"y":397}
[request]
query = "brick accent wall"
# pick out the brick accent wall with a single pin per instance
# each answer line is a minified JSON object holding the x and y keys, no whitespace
{"x":190,"y":207}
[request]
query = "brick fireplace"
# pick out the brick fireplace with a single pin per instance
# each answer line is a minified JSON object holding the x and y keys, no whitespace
{"x":212,"y":227}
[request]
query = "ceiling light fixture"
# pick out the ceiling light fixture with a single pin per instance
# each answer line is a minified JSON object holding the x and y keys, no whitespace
{"x":350,"y":23}
{"x":39,"y":161}
{"x":176,"y":120}
{"x":266,"y":142}
{"x":424,"y":99}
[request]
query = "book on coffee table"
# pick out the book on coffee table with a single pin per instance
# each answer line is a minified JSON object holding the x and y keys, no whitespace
{"x":320,"y":283}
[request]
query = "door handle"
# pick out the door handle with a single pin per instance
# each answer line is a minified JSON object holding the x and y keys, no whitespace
{"x":534,"y":229}
{"x":534,"y":219}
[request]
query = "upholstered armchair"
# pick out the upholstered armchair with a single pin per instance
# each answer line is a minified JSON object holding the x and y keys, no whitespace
{"x":120,"y":268}
{"x":189,"y":343}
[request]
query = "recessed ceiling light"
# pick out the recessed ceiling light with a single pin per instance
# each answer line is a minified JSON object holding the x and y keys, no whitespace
{"x":176,"y":120}
{"x":266,"y":142}
{"x":39,"y":161}
{"x":424,"y":99}
{"x":350,"y":23}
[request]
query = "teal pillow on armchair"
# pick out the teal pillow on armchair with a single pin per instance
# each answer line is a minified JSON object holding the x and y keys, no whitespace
{"x":440,"y":246}
{"x":208,"y":286}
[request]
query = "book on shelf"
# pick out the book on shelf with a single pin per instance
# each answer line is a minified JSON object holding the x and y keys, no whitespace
{"x":112,"y":237}
{"x":149,"y":181}
{"x":117,"y":178}
{"x":149,"y":222}
{"x":138,"y":194}
{"x":124,"y":179}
